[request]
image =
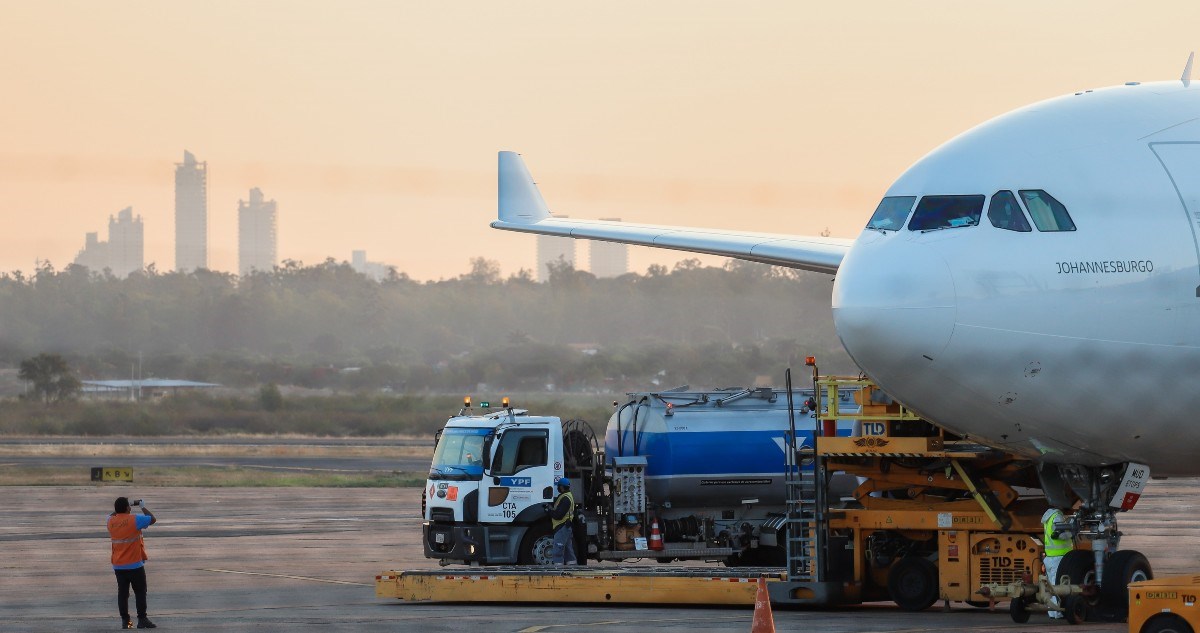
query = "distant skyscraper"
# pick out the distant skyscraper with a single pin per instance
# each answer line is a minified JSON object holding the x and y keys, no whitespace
{"x":374,"y":270}
{"x":191,"y":214}
{"x":608,"y":259}
{"x":126,"y":243}
{"x":552,"y":249}
{"x":123,"y":253}
{"x":256,"y":234}
{"x":94,"y":254}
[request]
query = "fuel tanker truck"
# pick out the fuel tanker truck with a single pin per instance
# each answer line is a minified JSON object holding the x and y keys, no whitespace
{"x":682,"y":475}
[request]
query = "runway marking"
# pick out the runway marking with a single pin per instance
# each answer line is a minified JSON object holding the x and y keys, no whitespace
{"x":543,"y":627}
{"x":256,"y":573}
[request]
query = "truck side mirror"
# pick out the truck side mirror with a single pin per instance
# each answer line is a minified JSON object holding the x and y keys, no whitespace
{"x":487,"y":451}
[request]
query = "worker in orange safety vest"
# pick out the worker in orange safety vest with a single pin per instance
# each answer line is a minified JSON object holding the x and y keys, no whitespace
{"x":129,"y":558}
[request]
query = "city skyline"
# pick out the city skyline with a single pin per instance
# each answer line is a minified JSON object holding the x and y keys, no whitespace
{"x":257,"y":237}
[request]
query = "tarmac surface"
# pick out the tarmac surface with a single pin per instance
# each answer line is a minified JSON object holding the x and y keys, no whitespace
{"x":298,"y":559}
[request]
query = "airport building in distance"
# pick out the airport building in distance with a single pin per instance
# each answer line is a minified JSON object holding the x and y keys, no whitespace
{"x":257,"y":239}
{"x":123,"y":253}
{"x":191,"y":214}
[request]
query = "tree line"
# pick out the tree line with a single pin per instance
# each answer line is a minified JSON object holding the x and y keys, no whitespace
{"x":327,"y":326}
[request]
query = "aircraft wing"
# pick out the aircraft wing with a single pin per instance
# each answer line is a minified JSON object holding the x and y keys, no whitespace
{"x":521,"y":208}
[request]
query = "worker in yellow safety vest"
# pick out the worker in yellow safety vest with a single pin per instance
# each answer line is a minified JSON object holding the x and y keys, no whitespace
{"x":562,"y":516}
{"x":1055,"y":545}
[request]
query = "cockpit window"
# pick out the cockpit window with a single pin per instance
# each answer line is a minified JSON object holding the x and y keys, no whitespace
{"x":946,"y":212}
{"x":1048,"y":214}
{"x":891,"y":213}
{"x":1005,"y":213}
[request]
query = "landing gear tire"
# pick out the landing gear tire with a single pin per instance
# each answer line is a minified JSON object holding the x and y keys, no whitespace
{"x":913,"y":583}
{"x":1122,"y":568}
{"x":1076,"y":609}
{"x":537,"y":548}
{"x":1077,"y":567}
{"x":1017,"y":610}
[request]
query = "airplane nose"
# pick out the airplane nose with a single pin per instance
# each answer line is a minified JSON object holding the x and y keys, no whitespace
{"x":893,"y":305}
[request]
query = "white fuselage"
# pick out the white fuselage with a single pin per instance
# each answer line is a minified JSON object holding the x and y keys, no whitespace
{"x":1072,"y":346}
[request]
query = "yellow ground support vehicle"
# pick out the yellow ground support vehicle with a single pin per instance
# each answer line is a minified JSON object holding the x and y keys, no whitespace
{"x":1164,"y":605}
{"x":935,"y":517}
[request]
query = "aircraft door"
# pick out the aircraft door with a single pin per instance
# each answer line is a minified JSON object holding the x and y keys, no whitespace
{"x":1181,"y":160}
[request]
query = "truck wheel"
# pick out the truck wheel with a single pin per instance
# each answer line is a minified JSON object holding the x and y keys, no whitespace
{"x":1076,"y":609}
{"x":1167,"y":623}
{"x":1016,"y":609}
{"x":537,"y":548}
{"x":1122,"y":568}
{"x":913,"y":583}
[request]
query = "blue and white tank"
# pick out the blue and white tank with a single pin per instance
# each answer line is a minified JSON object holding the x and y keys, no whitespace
{"x":705,"y":454}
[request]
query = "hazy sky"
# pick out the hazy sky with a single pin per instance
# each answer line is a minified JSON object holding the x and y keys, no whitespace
{"x":375,"y":125}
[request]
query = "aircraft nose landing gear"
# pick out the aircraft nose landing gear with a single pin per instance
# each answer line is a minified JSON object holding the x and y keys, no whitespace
{"x":1102,"y":493}
{"x":1092,"y":581}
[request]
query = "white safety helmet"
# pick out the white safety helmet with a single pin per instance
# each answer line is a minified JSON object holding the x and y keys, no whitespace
{"x":1048,"y":514}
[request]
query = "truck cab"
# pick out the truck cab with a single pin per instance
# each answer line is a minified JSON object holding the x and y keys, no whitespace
{"x":490,"y":484}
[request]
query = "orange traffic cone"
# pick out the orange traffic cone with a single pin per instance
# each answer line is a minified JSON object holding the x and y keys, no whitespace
{"x":763,"y":622}
{"x":656,"y":542}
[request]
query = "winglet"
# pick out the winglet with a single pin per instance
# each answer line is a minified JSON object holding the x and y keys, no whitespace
{"x":520,"y":202}
{"x":1187,"y":71}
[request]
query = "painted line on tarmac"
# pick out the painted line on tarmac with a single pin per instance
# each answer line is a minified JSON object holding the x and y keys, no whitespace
{"x":310,"y":578}
{"x":543,"y":627}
